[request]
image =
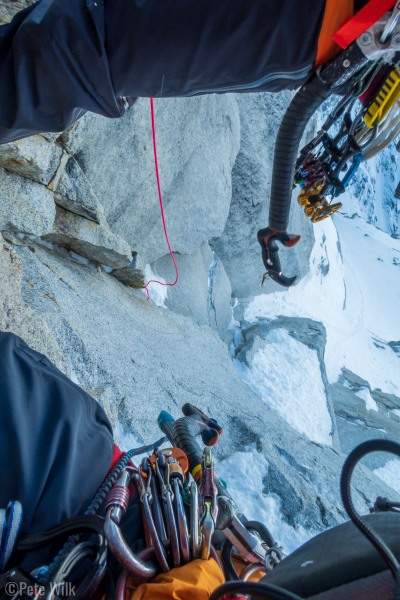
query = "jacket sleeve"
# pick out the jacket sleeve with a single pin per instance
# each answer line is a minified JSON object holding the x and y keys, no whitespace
{"x":54,"y":68}
{"x":196,"y":580}
{"x":56,"y":442}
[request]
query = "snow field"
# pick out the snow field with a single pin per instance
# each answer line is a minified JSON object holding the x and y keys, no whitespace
{"x":158,"y":293}
{"x":286,"y":375}
{"x":357,"y":299}
{"x":390,"y":474}
{"x":243,"y":473}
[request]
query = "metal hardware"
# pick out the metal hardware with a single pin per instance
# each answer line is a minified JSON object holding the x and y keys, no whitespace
{"x":249,"y":546}
{"x":380,"y":41}
{"x":194,"y":521}
{"x":391,"y":24}
{"x":208,"y":502}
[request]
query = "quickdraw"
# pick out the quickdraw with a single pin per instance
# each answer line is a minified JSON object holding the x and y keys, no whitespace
{"x":366,"y":76}
{"x":183,"y":504}
{"x":328,"y":163}
{"x":208,"y":503}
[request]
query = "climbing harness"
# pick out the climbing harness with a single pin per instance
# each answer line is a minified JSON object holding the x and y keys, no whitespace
{"x":217,"y":510}
{"x":184,"y":503}
{"x":366,"y":119}
{"x":186,"y":510}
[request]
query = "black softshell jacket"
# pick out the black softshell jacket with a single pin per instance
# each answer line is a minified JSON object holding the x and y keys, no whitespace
{"x":61,"y":58}
{"x":56,"y":442}
{"x":56,"y":447}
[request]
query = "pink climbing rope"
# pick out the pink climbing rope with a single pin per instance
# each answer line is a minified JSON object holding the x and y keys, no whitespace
{"x":153,"y":129}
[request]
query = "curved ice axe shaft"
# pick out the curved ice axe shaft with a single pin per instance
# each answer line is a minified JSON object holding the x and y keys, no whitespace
{"x":268,"y":239}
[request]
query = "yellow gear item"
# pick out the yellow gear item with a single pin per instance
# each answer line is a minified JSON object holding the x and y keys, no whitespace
{"x":321,"y":210}
{"x":307,"y":194}
{"x":196,"y":472}
{"x":324,"y":210}
{"x":309,"y":210}
{"x":385,"y":99}
{"x":196,"y":580}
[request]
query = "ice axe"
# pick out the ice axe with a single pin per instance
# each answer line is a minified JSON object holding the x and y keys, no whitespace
{"x":268,"y":239}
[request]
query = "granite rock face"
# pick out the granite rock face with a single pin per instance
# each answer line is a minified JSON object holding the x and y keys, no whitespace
{"x":34,"y":158}
{"x":25,"y":206}
{"x":137,"y":359}
{"x":198,"y":140}
{"x":203,"y":292}
{"x":238,"y":247}
{"x":73,"y":191}
{"x":215,"y":157}
{"x":45,"y":196}
{"x":90,"y":240}
{"x":364,"y":414}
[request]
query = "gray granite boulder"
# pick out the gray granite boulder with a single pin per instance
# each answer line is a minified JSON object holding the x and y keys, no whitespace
{"x":73,"y":191}
{"x":131,"y":275}
{"x":203,"y":290}
{"x":25,"y":206}
{"x":93,"y":241}
{"x":34,"y":157}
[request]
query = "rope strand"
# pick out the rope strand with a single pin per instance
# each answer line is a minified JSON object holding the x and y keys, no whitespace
{"x":160,"y":197}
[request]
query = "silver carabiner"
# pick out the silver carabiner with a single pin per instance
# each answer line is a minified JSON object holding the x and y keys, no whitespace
{"x":391,"y":24}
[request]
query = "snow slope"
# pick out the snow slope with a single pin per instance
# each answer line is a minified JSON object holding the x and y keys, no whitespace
{"x":276,"y":374}
{"x":390,"y":474}
{"x":244,"y":471}
{"x":371,"y":193}
{"x":353,"y":287}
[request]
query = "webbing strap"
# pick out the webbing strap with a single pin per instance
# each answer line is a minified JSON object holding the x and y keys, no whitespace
{"x":365,"y":18}
{"x":10,"y":523}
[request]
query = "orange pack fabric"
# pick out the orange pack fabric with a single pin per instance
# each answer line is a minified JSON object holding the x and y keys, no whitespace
{"x":194,"y":581}
{"x":337,"y":12}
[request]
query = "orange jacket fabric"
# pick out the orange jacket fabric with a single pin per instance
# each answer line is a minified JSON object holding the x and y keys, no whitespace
{"x":194,"y":581}
{"x":337,"y":12}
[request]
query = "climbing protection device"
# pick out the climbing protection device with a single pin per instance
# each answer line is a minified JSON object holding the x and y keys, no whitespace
{"x":183,"y":504}
{"x":362,"y":123}
{"x":185,"y":508}
{"x":217,"y":510}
